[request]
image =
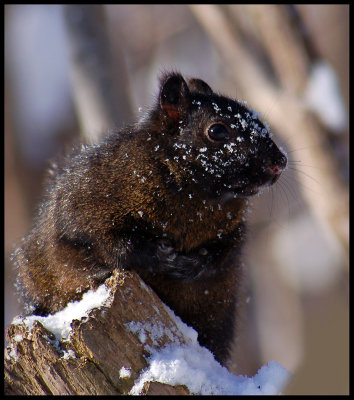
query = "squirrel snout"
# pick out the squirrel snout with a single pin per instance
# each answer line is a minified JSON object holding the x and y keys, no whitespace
{"x":274,"y":169}
{"x":277,"y":167}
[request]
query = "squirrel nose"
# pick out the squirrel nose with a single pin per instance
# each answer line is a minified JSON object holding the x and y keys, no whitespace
{"x":275,"y":169}
{"x":278,"y":167}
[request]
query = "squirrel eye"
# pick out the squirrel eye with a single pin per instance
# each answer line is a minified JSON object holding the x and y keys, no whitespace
{"x":218,"y":133}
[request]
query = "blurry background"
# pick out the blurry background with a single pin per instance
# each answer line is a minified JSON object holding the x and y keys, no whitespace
{"x":71,"y":69}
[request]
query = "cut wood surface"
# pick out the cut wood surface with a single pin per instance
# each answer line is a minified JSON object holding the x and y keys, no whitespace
{"x":99,"y":347}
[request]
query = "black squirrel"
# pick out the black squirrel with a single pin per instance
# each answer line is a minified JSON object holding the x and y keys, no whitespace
{"x":167,"y":198}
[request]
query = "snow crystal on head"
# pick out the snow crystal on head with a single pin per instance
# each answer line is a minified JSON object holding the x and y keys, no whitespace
{"x":250,"y":120}
{"x":247,"y":125}
{"x":224,"y":165}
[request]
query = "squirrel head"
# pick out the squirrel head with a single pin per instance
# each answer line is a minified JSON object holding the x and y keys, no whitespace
{"x":211,"y":142}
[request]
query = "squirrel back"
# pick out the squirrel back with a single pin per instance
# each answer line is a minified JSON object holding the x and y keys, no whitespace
{"x":166,"y":197}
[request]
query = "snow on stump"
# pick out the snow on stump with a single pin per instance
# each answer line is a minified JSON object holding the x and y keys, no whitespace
{"x":120,"y":339}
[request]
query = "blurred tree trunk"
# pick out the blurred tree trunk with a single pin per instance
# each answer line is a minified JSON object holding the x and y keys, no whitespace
{"x":16,"y":205}
{"x":99,"y":77}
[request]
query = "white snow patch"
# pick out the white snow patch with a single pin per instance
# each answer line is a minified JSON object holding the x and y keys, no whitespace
{"x":11,"y":353}
{"x":194,"y":366}
{"x":124,"y":373}
{"x":323,"y":96}
{"x":60,"y":322}
{"x":69,"y":354}
{"x":189,"y":334}
{"x":18,"y":338}
{"x":155,"y":331}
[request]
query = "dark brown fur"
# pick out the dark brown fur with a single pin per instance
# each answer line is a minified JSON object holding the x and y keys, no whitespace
{"x":166,"y":198}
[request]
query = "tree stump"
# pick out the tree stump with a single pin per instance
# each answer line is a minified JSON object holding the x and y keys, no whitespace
{"x":105,"y":351}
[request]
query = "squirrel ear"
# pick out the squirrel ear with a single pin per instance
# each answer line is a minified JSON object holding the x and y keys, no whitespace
{"x":174,"y":96}
{"x":199,"y":86}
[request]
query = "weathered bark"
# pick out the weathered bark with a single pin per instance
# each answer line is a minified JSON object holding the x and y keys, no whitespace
{"x":98,"y":347}
{"x":157,"y":388}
